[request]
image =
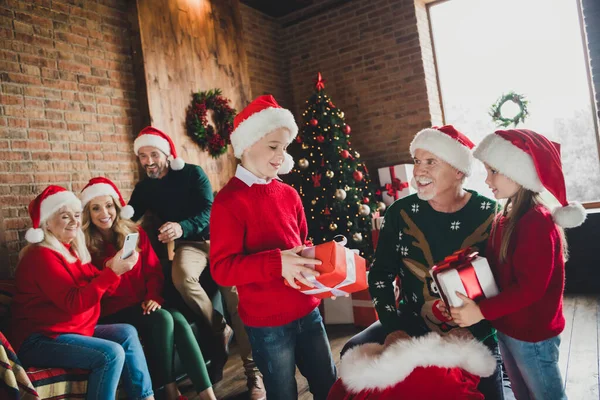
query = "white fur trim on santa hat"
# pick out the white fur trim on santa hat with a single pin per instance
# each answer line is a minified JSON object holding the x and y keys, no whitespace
{"x":252,"y":129}
{"x":569,"y":216}
{"x":287,"y":165}
{"x":509,"y":160}
{"x":153,"y":141}
{"x":370,"y":366}
{"x":177,"y":163}
{"x":97,"y":190}
{"x":127,"y":212}
{"x":34,"y":235}
{"x":53,"y":203}
{"x":446,"y":148}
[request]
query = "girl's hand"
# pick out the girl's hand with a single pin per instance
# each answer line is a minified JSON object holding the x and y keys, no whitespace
{"x":120,"y":266}
{"x":442,"y":307}
{"x":149,"y":305}
{"x":292,"y":265}
{"x":468,"y":314}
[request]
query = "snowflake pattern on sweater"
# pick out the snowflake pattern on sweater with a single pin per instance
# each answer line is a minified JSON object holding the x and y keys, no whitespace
{"x":413,"y":239}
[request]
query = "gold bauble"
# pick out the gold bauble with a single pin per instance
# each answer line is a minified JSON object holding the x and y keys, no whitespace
{"x":340,"y":194}
{"x":349,"y":224}
{"x":356,"y":154}
{"x":329,"y":174}
{"x":304,"y":146}
{"x":364,"y":210}
{"x":332,"y":226}
{"x":303,"y":163}
{"x":341,"y":114}
{"x":357,"y":237}
{"x":313,"y":202}
{"x":381,"y":206}
{"x":346,"y":188}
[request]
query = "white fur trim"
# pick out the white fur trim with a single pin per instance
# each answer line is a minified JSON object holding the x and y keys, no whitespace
{"x":446,"y":148}
{"x":126,"y":212}
{"x":52,"y":203}
{"x":370,"y":366}
{"x":252,"y":129}
{"x":97,"y":190}
{"x":287,"y":165}
{"x":177,"y":164}
{"x":569,"y":216}
{"x":509,"y":160}
{"x":149,"y":139}
{"x":34,"y":235}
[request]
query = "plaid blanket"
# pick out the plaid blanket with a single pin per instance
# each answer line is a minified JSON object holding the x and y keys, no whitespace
{"x":14,"y":382}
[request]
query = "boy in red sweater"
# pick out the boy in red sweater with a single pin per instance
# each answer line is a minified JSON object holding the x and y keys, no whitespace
{"x":526,"y":251}
{"x":257,"y":229}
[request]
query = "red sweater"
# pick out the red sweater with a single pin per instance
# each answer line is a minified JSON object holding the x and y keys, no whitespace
{"x":531,"y":281}
{"x":144,"y":282}
{"x":54,"y":296}
{"x":249,"y":226}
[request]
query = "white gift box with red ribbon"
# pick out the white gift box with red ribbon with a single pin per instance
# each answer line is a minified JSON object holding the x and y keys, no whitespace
{"x":395,"y":182}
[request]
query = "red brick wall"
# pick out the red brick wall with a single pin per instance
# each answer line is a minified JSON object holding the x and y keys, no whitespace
{"x":267,"y":66}
{"x":372,"y":57}
{"x":68,"y":103}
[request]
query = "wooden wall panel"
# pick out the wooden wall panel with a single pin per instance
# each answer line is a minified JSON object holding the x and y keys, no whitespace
{"x":188,"y":46}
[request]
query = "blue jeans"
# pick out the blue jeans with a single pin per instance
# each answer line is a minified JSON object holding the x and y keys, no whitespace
{"x":112,"y":351}
{"x":533,"y":368}
{"x":490,"y":387}
{"x":303,"y":342}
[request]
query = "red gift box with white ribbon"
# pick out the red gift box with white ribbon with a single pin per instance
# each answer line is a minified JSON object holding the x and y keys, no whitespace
{"x":395,"y":182}
{"x":464,"y":272}
{"x":376,"y":224}
{"x":342,"y":271}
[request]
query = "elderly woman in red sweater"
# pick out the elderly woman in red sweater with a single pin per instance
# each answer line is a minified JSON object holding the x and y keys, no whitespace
{"x":138,"y":298}
{"x":56,"y":306}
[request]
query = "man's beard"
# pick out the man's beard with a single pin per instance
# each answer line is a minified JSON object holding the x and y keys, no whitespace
{"x":154,"y":175}
{"x":420,"y":194}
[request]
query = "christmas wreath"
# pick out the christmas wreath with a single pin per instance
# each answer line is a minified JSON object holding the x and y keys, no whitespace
{"x":496,"y":113}
{"x":212,"y":138}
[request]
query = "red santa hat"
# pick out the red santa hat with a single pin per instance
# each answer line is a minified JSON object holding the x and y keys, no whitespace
{"x":150,"y":136}
{"x":448,"y":144}
{"x":101,"y":186}
{"x":532,"y":161}
{"x":42,"y":207}
{"x":425,"y":368}
{"x":260,"y":117}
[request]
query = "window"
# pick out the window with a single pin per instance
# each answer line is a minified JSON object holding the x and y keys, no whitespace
{"x":485,"y":48}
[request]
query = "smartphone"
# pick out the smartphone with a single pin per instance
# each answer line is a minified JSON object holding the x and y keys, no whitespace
{"x":129,"y":245}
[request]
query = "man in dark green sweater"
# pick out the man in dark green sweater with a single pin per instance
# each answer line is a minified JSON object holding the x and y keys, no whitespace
{"x":180,"y":196}
{"x":419,"y":231}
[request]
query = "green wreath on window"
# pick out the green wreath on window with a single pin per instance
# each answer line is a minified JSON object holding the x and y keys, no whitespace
{"x":213,"y":139}
{"x":502,"y":121}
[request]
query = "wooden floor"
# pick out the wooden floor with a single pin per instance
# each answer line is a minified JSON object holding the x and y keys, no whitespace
{"x":579,"y":355}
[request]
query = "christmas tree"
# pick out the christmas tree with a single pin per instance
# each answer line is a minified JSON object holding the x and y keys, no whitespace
{"x":332,"y":181}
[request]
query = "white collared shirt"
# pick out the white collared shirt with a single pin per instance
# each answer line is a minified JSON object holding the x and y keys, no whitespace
{"x":249,"y":178}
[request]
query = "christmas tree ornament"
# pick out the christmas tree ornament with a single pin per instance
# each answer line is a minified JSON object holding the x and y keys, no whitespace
{"x":349,"y":224}
{"x":346,"y":188}
{"x":356,"y":154}
{"x":341,"y":114}
{"x":364,"y":210}
{"x":340,"y":194}
{"x":381,"y":206}
{"x":366,"y":200}
{"x":347,"y":129}
{"x":357,"y":237}
{"x":331,"y":105}
{"x":320,"y":138}
{"x":313,"y":202}
{"x":314,"y":122}
{"x":345,"y":153}
{"x":303,"y":163}
{"x":304,"y":146}
{"x":357,"y":175}
{"x":298,"y":139}
{"x":332,"y":226}
{"x":329,"y":174}
{"x":326,"y":211}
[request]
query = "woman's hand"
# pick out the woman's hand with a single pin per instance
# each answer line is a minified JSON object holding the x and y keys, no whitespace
{"x":149,"y":306}
{"x":120,"y":266}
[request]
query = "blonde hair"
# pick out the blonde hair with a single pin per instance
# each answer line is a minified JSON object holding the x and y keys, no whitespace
{"x":51,"y":241}
{"x":514,"y":209}
{"x":120,"y":228}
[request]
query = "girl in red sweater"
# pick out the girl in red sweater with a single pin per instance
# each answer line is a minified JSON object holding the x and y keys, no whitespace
{"x":56,"y":306}
{"x":138,"y":300}
{"x":257,"y":227}
{"x":526,"y":251}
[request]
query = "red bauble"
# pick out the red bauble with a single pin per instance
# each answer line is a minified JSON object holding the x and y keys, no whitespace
{"x":345,"y":154}
{"x":298,"y":139}
{"x":347,"y":129}
{"x":358,"y":176}
{"x":331,"y":105}
{"x":366,"y":200}
{"x":320,"y":138}
{"x":314,"y":122}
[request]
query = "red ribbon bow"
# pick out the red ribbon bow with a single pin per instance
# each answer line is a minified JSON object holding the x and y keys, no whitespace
{"x":395,"y":186}
{"x":460,"y":260}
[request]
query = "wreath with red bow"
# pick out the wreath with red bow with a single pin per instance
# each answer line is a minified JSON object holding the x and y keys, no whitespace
{"x":214,"y":139}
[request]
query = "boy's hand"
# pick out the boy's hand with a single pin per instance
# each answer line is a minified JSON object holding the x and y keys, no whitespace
{"x":292,"y":267}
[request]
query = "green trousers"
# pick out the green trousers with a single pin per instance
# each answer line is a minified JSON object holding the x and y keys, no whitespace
{"x":161,"y":332}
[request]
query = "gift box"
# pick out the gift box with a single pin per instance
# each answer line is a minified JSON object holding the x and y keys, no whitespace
{"x":338,"y":311}
{"x":464,"y":272}
{"x":376,"y":224}
{"x":395,"y":182}
{"x":342,"y":271}
{"x":363,"y":310}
